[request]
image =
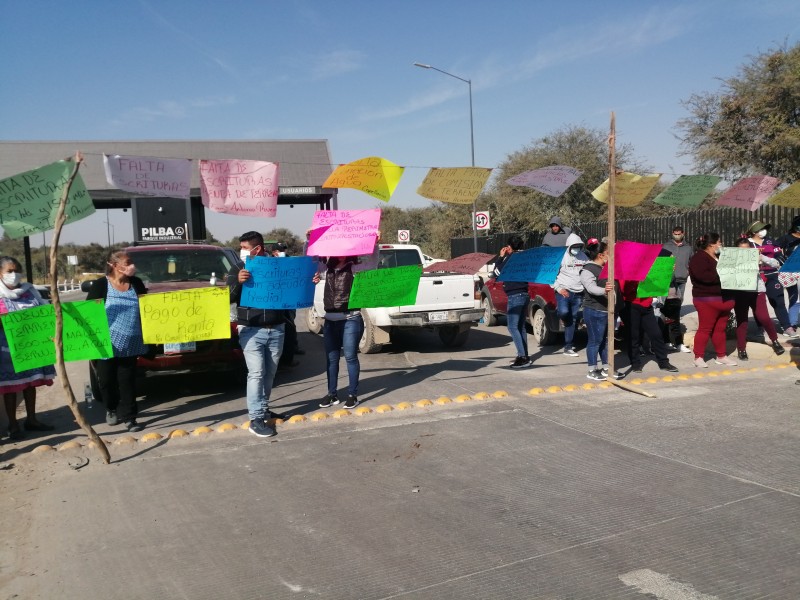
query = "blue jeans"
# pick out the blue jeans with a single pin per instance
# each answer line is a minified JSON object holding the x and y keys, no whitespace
{"x":596,"y":326}
{"x":794,"y":305}
{"x":568,"y":309}
{"x":262,"y":347}
{"x":345,"y":335}
{"x":515,"y":317}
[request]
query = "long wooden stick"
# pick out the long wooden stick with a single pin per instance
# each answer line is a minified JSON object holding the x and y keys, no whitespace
{"x":61,"y":218}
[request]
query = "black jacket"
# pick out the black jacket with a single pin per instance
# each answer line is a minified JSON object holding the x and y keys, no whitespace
{"x":99,"y":288}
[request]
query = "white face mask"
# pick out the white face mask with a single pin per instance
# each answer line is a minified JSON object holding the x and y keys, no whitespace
{"x":762,"y":233}
{"x":244,"y":254}
{"x":12,"y":279}
{"x":281,"y":253}
{"x":574,"y":251}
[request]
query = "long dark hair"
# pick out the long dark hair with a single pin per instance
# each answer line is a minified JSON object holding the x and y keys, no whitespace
{"x":592,"y":250}
{"x":707,"y":239}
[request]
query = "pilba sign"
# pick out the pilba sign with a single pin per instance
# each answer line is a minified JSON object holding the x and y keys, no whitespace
{"x":162,"y":234}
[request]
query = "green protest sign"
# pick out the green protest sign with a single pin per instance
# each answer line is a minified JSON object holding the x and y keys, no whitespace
{"x":658,"y":278}
{"x":688,"y":191}
{"x":396,"y":286}
{"x":738,"y":269}
{"x":29,"y":201}
{"x":30,"y":334}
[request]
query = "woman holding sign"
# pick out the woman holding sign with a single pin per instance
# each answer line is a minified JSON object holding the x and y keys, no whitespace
{"x":19,"y":296}
{"x":116,"y":376}
{"x":518,"y":301}
{"x":595,"y":309}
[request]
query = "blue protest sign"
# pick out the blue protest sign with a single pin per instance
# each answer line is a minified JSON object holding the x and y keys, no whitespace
{"x":537,"y":265}
{"x":282,"y":283}
{"x":792,"y":264}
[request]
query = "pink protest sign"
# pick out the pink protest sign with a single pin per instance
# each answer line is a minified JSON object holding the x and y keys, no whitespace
{"x":240,"y":187}
{"x":632,"y":260}
{"x":552,"y":181}
{"x":344,"y":232}
{"x":749,"y":193}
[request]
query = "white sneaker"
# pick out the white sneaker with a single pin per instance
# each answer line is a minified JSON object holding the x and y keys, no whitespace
{"x":570,"y":352}
{"x":700,"y":363}
{"x":684,"y":348}
{"x":724,"y":360}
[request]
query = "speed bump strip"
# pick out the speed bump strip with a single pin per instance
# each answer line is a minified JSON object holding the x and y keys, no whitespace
{"x":500,"y":394}
{"x":683,"y":377}
{"x":637,"y":381}
{"x":297,"y":419}
{"x":362,"y":410}
{"x":179,"y":433}
{"x":668,"y":378}
{"x":245,"y":425}
{"x":42,"y":449}
{"x":443,"y":400}
{"x":320,"y":416}
{"x":341,"y":413}
{"x":553,"y":389}
{"x":588,"y":386}
{"x":227,"y":427}
{"x":125,"y":439}
{"x":463,"y":398}
{"x":535,"y":391}
{"x":383,"y":408}
{"x":403,"y":406}
{"x":424,"y":402}
{"x":653,"y":379}
{"x":70,"y":445}
{"x":712,"y":374}
{"x":153,"y":436}
{"x":698,"y":375}
{"x":202,"y":430}
{"x":605,"y":385}
{"x":480,"y":396}
{"x":570,"y":388}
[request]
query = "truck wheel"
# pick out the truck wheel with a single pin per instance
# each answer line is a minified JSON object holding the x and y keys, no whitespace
{"x":451,"y":336}
{"x":367,"y":344}
{"x":489,"y":318}
{"x":543,"y":335}
{"x":313,"y":321}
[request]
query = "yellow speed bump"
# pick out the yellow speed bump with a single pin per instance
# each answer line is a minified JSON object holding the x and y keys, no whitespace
{"x":605,"y":385}
{"x":275,"y":422}
{"x":481,"y":396}
{"x":588,"y":386}
{"x":570,"y":388}
{"x":500,"y":394}
{"x":363,"y":410}
{"x":463,"y":398}
{"x":153,"y":436}
{"x":341,"y":413}
{"x":424,"y":402}
{"x":742,"y":370}
{"x":535,"y":391}
{"x":42,"y":449}
{"x":227,"y":427}
{"x":782,"y":366}
{"x":245,"y":425}
{"x":653,"y":379}
{"x":297,"y":419}
{"x":698,"y":375}
{"x":92,"y":444}
{"x":726,"y":372}
{"x":70,"y":445}
{"x":683,"y":377}
{"x":383,"y":408}
{"x":713,"y":374}
{"x":403,"y":406}
{"x":125,"y":439}
{"x":443,"y":400}
{"x":202,"y":430}
{"x":637,"y":381}
{"x":668,"y":378}
{"x":769,"y":368}
{"x":320,"y":416}
{"x":553,"y":389}
{"x":179,"y":433}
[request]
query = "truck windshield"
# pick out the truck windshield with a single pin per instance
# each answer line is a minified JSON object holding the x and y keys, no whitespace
{"x":398,"y":258}
{"x":159,"y":266}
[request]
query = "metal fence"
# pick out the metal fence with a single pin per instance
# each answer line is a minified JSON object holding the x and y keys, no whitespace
{"x":730,"y":223}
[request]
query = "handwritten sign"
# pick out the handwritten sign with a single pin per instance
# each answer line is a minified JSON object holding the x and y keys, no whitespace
{"x":688,"y":191}
{"x":552,"y":181}
{"x":283,"y":283}
{"x":189,"y":315}
{"x":240,"y":187}
{"x":749,"y":193}
{"x":84,"y":335}
{"x":658,"y":278}
{"x":631,"y":189}
{"x":738,"y":269}
{"x":537,"y":265}
{"x":789,"y":197}
{"x":632,"y":260}
{"x":373,"y":175}
{"x":459,"y":185}
{"x":344,"y":232}
{"x":396,"y":286}
{"x":29,"y":201}
{"x":146,"y":176}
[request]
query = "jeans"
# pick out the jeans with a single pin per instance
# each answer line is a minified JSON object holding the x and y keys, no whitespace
{"x":515,"y":317}
{"x":262,"y":347}
{"x":568,"y":309}
{"x":777,"y":299}
{"x":794,"y":305}
{"x":345,"y":335}
{"x":596,"y":326}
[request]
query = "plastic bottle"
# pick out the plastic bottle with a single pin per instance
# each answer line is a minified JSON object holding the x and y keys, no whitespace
{"x":213,"y":280}
{"x":88,"y":397}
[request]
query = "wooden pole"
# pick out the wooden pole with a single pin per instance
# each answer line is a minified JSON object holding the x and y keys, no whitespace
{"x":61,"y":368}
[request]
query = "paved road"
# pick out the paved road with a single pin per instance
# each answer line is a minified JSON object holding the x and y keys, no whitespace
{"x":577,"y":493}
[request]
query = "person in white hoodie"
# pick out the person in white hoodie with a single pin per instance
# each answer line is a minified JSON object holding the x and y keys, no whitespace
{"x":569,"y":289}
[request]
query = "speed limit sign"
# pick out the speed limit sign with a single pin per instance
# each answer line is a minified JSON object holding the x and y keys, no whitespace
{"x":403,"y":235}
{"x":481,"y":220}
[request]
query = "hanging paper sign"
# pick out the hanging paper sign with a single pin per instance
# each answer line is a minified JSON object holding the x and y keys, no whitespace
{"x":189,"y":315}
{"x":688,"y":191}
{"x":395,"y":286}
{"x":536,"y":265}
{"x":145,"y":176}
{"x":631,"y":189}
{"x":632,"y":260}
{"x":279,"y":283}
{"x":373,"y":175}
{"x":461,"y":185}
{"x":343,"y":232}
{"x":749,"y":193}
{"x":552,"y":181}
{"x":29,"y":201}
{"x":738,"y":269}
{"x":658,"y":278}
{"x":240,"y":187}
{"x":789,"y":197}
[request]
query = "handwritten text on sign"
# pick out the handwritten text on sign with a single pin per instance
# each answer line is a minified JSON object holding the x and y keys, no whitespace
{"x":240,"y":187}
{"x":552,"y":181}
{"x":738,"y":269}
{"x":631,"y":189}
{"x":789,"y":197}
{"x":537,"y":265}
{"x":186,"y":316}
{"x":344,"y":232}
{"x":147,"y":176}
{"x":396,"y":286}
{"x":688,"y":191}
{"x":458,"y":186}
{"x":658,"y":278}
{"x":373,"y":175}
{"x":749,"y":193}
{"x":30,"y":334}
{"x":283,"y":283}
{"x":29,"y":201}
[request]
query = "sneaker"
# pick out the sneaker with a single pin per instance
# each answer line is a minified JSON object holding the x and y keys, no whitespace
{"x":619,"y":375}
{"x":684,"y":348}
{"x":743,"y":355}
{"x":778,"y":348}
{"x":329,"y":400}
{"x":700,"y":362}
{"x":789,"y":332}
{"x":521,"y":362}
{"x":636,"y":368}
{"x":351,"y":402}
{"x":570,"y":352}
{"x":260,"y":428}
{"x":597,"y":375}
{"x":671,"y":347}
{"x":111,"y":418}
{"x":668,"y":367}
{"x":133,"y":426}
{"x":604,"y":371}
{"x":724,"y":360}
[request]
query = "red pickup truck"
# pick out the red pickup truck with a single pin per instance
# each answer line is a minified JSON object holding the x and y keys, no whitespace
{"x":542,"y":314}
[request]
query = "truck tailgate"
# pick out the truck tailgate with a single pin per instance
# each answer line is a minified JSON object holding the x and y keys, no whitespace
{"x":443,"y":292}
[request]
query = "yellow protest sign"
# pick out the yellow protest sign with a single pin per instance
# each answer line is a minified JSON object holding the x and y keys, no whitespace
{"x":459,"y":185}
{"x":186,"y":315}
{"x":373,"y":175}
{"x":789,"y":197}
{"x":632,"y":189}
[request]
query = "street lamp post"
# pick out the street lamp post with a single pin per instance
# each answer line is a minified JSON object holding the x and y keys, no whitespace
{"x":471,"y":140}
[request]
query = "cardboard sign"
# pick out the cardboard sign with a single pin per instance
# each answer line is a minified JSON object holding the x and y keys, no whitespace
{"x":145,"y":176}
{"x":738,"y":269}
{"x":688,"y":191}
{"x":396,"y":286}
{"x":373,"y":175}
{"x":240,"y":187}
{"x":344,"y":232}
{"x":749,"y":193}
{"x":460,"y":185}
{"x":552,"y":181}
{"x":537,"y":265}
{"x":282,"y":283}
{"x":189,"y":315}
{"x":631,"y":189}
{"x":632,"y":260}
{"x":658,"y":278}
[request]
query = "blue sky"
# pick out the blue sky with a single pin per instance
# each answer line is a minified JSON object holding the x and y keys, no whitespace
{"x":342,"y":71}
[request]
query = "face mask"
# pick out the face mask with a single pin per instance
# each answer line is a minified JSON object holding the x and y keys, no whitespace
{"x":574,"y":251}
{"x":244,"y":254}
{"x":128,"y":271}
{"x":717,"y":251}
{"x":678,"y":237}
{"x":12,"y":279}
{"x":762,"y":233}
{"x":281,"y":253}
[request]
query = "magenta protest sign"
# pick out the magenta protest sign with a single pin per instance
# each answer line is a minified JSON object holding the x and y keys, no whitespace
{"x":749,"y":193}
{"x":344,"y":232}
{"x":146,"y":176}
{"x":632,"y":260}
{"x":240,"y":187}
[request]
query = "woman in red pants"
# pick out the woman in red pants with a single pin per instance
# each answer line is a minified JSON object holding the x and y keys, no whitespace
{"x":712,"y":305}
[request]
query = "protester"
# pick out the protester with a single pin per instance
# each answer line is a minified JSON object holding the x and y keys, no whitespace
{"x":261,"y":334}
{"x":116,"y":376}
{"x":639,"y":317}
{"x":713,"y":305}
{"x":558,"y":234}
{"x":343,"y":325}
{"x":595,"y":309}
{"x":744,"y":301}
{"x":518,"y":301}
{"x":682,"y":251}
{"x":788,"y":243}
{"x":569,"y":290}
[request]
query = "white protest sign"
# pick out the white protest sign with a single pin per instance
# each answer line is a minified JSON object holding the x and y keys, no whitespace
{"x":146,"y":176}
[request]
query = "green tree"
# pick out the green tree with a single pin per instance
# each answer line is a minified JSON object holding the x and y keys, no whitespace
{"x":752,"y":125}
{"x":281,"y":234}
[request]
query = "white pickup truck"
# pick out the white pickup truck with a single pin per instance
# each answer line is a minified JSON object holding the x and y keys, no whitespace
{"x":450,"y":303}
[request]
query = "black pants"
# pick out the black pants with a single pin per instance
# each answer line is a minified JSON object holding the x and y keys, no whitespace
{"x":117,"y":380}
{"x":640,"y":319}
{"x":777,"y":299}
{"x":289,"y":340}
